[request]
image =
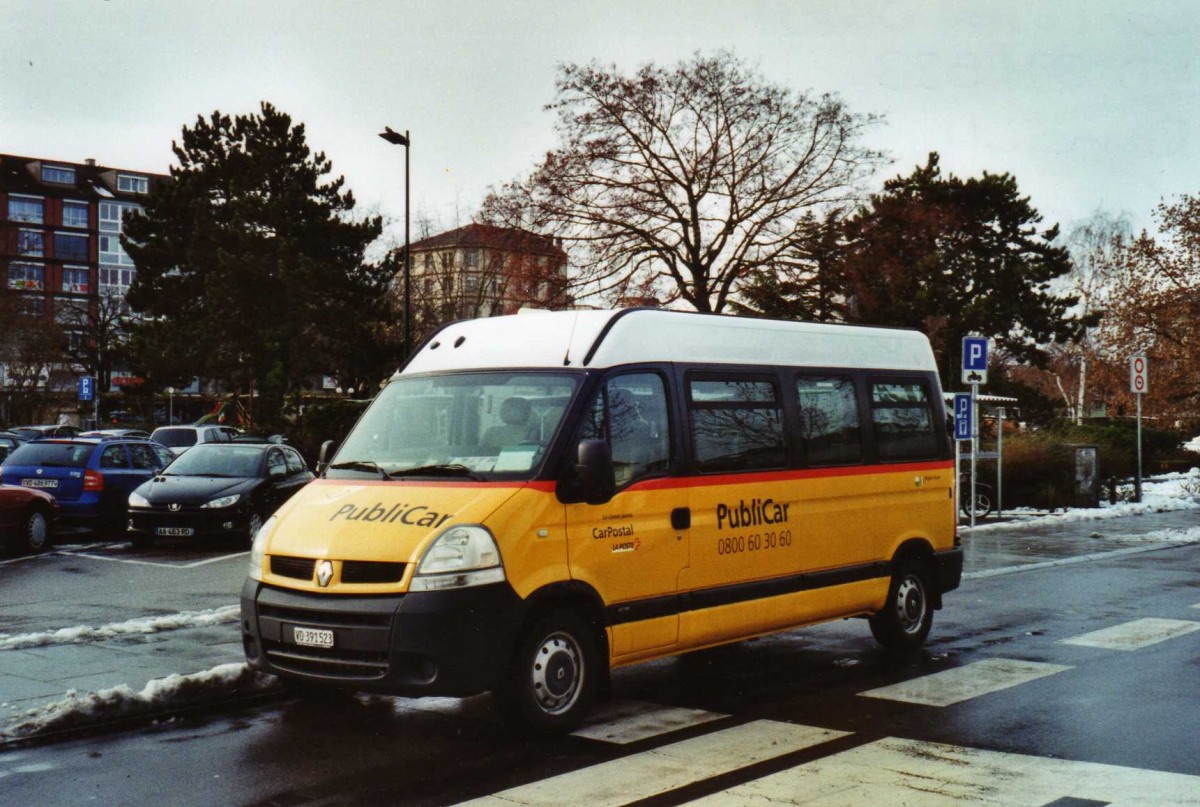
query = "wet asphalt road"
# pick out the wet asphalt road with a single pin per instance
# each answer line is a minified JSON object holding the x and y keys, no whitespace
{"x":1083,"y":703}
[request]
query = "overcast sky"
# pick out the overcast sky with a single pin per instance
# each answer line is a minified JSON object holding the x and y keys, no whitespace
{"x":1090,"y":104}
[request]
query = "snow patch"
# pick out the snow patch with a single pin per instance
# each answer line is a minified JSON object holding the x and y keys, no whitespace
{"x":132,"y":627}
{"x":174,"y":691}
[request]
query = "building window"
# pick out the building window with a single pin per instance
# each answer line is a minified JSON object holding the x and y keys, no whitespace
{"x":471,"y":259}
{"x":131,"y":184}
{"x":26,"y":276}
{"x":59,"y":174}
{"x":71,"y":246}
{"x":31,"y":243}
{"x":471,"y":283}
{"x":75,"y":279}
{"x":22,"y":208}
{"x":75,"y":214}
{"x":110,"y":217}
{"x":31,"y":304}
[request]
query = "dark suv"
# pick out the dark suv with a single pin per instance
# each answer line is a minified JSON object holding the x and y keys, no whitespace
{"x":90,"y":478}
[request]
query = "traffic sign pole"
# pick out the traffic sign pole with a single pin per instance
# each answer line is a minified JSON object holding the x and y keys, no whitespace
{"x":1139,"y":370}
{"x":974,"y":444}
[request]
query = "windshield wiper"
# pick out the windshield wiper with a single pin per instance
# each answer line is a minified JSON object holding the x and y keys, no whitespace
{"x":360,"y":465}
{"x":452,"y":469}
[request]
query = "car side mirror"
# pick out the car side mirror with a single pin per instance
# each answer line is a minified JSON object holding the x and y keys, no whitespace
{"x":594,"y":468}
{"x":277,"y":472}
{"x":328,"y":448}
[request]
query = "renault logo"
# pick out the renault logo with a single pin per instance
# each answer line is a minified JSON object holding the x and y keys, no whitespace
{"x":174,"y":507}
{"x":324,"y":572}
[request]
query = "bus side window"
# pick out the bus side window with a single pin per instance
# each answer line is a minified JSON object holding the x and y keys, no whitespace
{"x":631,"y":414}
{"x":829,"y":419}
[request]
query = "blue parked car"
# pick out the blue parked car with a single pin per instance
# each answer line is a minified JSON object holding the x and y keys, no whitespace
{"x":90,"y":478}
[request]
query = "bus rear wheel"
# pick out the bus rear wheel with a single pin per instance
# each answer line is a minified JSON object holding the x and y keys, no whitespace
{"x":551,"y":682}
{"x":907,"y":615}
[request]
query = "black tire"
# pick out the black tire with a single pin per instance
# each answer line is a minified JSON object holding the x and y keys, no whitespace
{"x":552,"y":679}
{"x":253,"y":526}
{"x":37,"y":533}
{"x":907,"y":615}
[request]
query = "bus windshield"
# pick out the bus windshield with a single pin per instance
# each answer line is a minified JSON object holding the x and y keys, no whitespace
{"x":482,"y":425}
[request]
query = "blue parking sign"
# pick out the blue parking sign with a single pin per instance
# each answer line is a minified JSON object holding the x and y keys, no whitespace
{"x":974,"y":359}
{"x":87,"y":389}
{"x":962,"y":416}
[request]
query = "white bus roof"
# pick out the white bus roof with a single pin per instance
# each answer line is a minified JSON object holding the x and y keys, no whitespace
{"x":598,"y":339}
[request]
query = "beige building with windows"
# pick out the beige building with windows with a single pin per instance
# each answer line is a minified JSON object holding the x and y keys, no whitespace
{"x":483,"y":271}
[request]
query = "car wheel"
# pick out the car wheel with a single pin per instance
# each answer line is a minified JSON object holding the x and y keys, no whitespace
{"x":907,"y":615}
{"x":35,"y":532}
{"x":552,"y":678}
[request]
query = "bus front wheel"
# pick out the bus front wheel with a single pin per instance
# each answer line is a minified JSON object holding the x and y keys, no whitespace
{"x":907,"y":615}
{"x":552,"y":679}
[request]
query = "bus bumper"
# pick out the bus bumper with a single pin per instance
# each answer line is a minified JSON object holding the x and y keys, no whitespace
{"x":949,"y":566}
{"x":453,"y":643}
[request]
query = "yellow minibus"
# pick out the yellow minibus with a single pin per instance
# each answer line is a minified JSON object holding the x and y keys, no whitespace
{"x":536,"y":499}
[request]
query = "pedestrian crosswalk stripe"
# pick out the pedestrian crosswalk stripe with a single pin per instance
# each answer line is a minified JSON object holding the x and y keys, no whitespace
{"x":626,"y":722}
{"x":893,"y":771}
{"x":1136,"y":634}
{"x":963,"y":683}
{"x":663,"y":769}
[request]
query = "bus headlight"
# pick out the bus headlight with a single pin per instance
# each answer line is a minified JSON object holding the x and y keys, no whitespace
{"x":461,"y":557}
{"x":258,"y":548}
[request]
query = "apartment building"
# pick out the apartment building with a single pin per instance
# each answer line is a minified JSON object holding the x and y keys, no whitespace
{"x":481,"y":270}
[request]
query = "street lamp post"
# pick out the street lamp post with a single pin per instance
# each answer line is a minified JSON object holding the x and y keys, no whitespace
{"x":397,"y":139}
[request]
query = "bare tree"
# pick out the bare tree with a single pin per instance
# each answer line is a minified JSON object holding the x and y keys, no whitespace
{"x":1095,"y":246}
{"x":688,"y":179}
{"x":100,"y":338}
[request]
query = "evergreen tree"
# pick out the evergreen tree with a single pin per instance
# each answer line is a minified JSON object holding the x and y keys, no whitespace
{"x":250,"y":267}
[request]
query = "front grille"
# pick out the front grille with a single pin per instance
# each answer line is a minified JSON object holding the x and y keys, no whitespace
{"x":323,"y":618}
{"x":365,"y":571}
{"x":330,"y":664}
{"x":296,"y":568}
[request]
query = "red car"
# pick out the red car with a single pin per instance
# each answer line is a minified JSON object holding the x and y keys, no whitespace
{"x":26,"y":520}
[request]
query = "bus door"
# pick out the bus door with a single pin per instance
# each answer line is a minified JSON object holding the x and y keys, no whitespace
{"x":632,"y":549}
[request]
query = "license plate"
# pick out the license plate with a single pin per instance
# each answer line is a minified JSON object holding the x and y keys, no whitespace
{"x":174,"y":531}
{"x":313,"y":637}
{"x":39,"y":483}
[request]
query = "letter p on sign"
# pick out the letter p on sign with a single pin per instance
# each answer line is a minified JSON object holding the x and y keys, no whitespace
{"x":1138,"y":382}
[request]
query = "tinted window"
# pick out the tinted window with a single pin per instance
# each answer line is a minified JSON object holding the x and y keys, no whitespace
{"x":631,"y":414}
{"x":829,"y":420}
{"x":114,"y":457}
{"x":737,"y":424}
{"x":276,"y":465}
{"x":175,"y":438}
{"x":295,"y":463}
{"x":218,"y":460}
{"x":903,"y":424}
{"x":143,"y":457}
{"x":62,"y":455}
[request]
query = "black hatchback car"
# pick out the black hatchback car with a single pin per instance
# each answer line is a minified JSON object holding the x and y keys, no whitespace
{"x":216,"y":489}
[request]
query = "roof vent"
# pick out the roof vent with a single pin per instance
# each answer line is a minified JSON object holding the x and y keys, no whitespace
{"x":90,"y":161}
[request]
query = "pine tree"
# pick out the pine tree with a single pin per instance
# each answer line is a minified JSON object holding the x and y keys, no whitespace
{"x":250,"y":268}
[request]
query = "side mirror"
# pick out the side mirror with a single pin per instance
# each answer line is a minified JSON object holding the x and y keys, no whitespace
{"x":277,"y":472}
{"x":594,"y":467}
{"x":326,"y":454}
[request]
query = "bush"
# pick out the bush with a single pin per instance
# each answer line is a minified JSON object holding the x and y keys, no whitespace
{"x":1039,"y":471}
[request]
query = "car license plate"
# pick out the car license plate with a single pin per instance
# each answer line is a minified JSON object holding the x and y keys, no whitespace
{"x":174,"y":531}
{"x":313,"y":637}
{"x":39,"y":483}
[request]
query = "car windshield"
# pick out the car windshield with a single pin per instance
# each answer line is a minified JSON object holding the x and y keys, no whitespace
{"x":493,"y":425}
{"x":50,"y":455}
{"x":217,"y":460}
{"x":175,"y":438}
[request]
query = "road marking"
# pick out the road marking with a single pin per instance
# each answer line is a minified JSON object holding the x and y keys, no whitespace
{"x":963,"y":683}
{"x":1052,"y":564}
{"x":661,"y":770}
{"x":1136,"y":634}
{"x":625,"y":722}
{"x":894,"y":771}
{"x":159,"y":564}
